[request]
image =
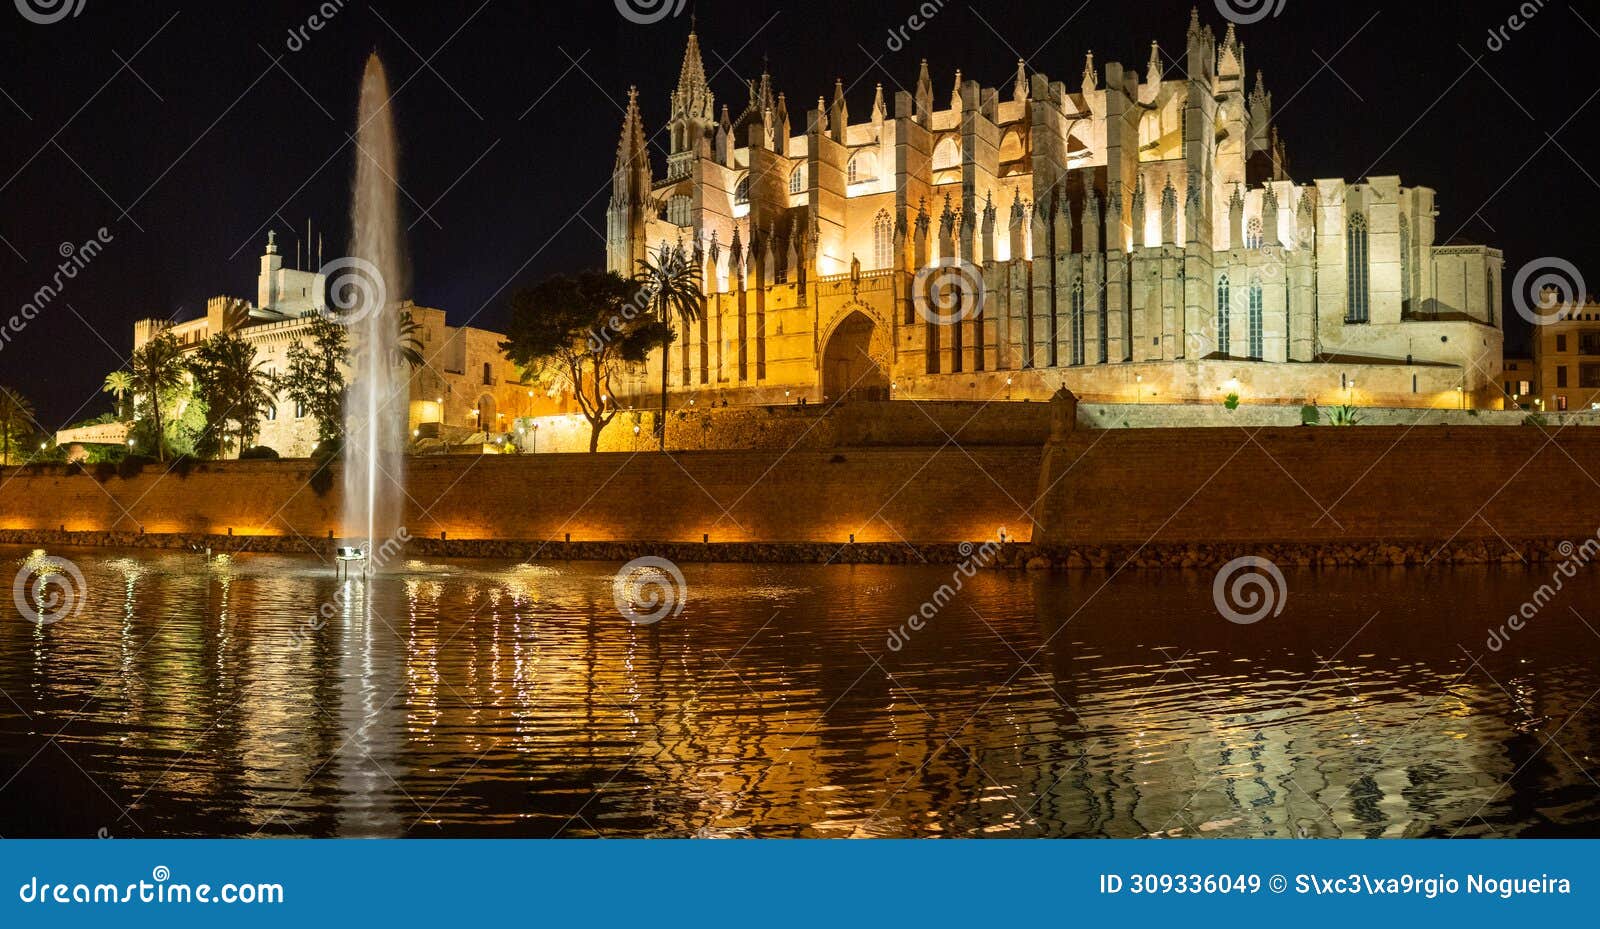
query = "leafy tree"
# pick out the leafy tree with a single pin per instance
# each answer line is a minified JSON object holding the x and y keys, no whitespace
{"x":587,"y":326}
{"x":157,"y":372}
{"x":16,"y":420}
{"x":671,"y":284}
{"x":315,"y":379}
{"x":237,"y":391}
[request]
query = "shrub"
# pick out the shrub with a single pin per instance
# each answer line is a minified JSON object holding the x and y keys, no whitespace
{"x":1534,"y":419}
{"x":132,"y":466}
{"x":1231,"y":402}
{"x":259,"y":453}
{"x":1343,"y":416}
{"x":321,"y":480}
{"x":1309,"y":415}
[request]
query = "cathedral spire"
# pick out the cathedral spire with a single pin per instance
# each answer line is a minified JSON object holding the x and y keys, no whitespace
{"x":633,"y":159}
{"x":693,"y":115}
{"x":1154,"y":70}
{"x":780,"y":122}
{"x":1019,"y":90}
{"x":955,"y":95}
{"x":878,"y":109}
{"x":924,"y":96}
{"x":692,"y":76}
{"x":839,"y":112}
{"x":1088,"y":74}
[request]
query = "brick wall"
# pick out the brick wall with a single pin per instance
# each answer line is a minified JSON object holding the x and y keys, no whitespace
{"x":1304,"y":484}
{"x":881,"y":495}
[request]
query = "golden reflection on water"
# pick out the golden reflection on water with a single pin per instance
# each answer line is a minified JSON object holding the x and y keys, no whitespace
{"x":224,"y":697}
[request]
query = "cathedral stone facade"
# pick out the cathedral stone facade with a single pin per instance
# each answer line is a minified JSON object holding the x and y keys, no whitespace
{"x":1136,"y":236}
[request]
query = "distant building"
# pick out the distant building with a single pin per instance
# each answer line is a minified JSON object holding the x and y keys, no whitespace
{"x":466,"y":393}
{"x":1135,"y":234}
{"x":1566,"y":354}
{"x":1521,"y":382}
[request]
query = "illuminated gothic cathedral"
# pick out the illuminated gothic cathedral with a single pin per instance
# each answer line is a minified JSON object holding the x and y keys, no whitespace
{"x":1137,"y":236}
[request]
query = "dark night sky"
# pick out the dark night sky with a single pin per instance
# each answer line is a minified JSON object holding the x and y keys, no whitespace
{"x":508,"y":145}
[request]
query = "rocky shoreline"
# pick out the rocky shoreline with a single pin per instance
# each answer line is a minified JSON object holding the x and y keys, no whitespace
{"x":1019,"y":556}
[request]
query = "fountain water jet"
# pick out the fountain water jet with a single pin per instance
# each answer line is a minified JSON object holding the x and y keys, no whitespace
{"x":377,"y":404}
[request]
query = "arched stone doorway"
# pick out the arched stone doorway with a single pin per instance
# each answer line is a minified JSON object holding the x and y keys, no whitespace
{"x":487,"y":418}
{"x":851,"y":364}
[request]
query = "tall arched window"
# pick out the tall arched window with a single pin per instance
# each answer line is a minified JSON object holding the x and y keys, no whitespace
{"x":797,"y":179}
{"x":1077,"y":322}
{"x":1257,"y":336}
{"x":741,"y":191}
{"x":1224,"y":325}
{"x":946,"y":154}
{"x":1252,"y":234}
{"x":863,"y":167}
{"x":883,"y":241}
{"x":1357,"y":277}
{"x":1405,"y":265}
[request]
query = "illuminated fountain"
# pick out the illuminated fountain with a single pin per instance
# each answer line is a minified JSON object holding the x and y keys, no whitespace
{"x":376,"y":407}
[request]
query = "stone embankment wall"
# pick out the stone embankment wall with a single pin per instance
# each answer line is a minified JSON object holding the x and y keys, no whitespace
{"x":1428,"y":484}
{"x":888,"y":495}
{"x":1106,"y":498}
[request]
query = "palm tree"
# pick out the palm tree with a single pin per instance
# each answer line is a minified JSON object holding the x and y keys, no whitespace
{"x":119,"y":384}
{"x":407,"y":348}
{"x":672,"y":283}
{"x":235,"y":386}
{"x":157,"y":369}
{"x":15,"y":411}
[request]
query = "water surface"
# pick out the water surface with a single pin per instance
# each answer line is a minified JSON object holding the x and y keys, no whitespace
{"x":491,"y":699}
